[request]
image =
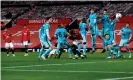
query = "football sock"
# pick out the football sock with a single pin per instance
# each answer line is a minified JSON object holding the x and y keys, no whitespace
{"x":47,"y":52}
{"x":60,"y":53}
{"x":41,"y":52}
{"x":26,"y":49}
{"x":118,"y":55}
{"x":79,"y":47}
{"x":84,"y":50}
{"x":93,"y":41}
{"x":129,"y":53}
{"x":7,"y":51}
{"x":12,"y":51}
{"x":70,"y":52}
{"x":109,"y":52}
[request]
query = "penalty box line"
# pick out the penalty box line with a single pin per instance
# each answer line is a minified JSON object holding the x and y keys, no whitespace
{"x":66,"y":71}
{"x":61,"y":64}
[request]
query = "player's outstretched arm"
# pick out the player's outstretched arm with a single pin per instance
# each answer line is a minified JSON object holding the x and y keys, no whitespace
{"x":121,"y":32}
{"x":47,"y":33}
{"x":130,"y":36}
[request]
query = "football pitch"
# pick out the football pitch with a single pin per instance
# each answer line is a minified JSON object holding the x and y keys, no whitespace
{"x":95,"y":67}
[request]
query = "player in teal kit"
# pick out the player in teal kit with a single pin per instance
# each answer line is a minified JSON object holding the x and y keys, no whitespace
{"x":111,"y":47}
{"x":61,"y":34}
{"x":83,"y":32}
{"x":105,"y":25}
{"x":115,"y":51}
{"x":126,"y":35}
{"x":112,"y":27}
{"x":94,"y":28}
{"x":108,"y":45}
{"x":45,"y":39}
{"x":111,"y":30}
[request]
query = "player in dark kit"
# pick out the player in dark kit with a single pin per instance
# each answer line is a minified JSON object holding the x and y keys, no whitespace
{"x":76,"y":40}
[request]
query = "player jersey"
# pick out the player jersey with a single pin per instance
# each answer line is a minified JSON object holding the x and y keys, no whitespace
{"x":115,"y":48}
{"x":42,"y":31}
{"x":108,"y":42}
{"x":112,"y":25}
{"x":125,"y":33}
{"x":106,"y":21}
{"x":25,"y":34}
{"x":60,"y":34}
{"x":92,"y":19}
{"x":7,"y":37}
{"x":93,"y":23}
{"x":82,"y":27}
{"x":77,"y":35}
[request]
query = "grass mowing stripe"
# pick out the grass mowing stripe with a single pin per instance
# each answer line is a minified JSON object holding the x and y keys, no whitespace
{"x":21,"y":70}
{"x":119,"y":78}
{"x":62,"y":64}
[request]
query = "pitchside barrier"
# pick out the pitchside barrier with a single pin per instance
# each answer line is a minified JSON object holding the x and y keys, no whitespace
{"x":34,"y":26}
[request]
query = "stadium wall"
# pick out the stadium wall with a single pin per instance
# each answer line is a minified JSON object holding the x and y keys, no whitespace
{"x":42,"y":21}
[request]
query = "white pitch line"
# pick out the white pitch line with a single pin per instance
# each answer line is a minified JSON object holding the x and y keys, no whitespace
{"x":31,"y":66}
{"x":61,"y":64}
{"x":110,"y":72}
{"x":119,"y":78}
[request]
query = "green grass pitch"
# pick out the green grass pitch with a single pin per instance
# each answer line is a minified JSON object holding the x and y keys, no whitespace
{"x":95,"y":67}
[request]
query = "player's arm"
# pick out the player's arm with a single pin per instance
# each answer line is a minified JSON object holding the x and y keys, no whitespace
{"x":130,"y":37}
{"x":55,"y":34}
{"x":88,"y":24}
{"x":95,"y":19}
{"x":47,"y":32}
{"x":121,"y":31}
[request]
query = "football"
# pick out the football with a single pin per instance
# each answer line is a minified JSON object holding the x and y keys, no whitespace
{"x":118,"y":15}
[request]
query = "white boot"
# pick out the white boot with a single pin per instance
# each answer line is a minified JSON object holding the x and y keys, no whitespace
{"x":13,"y":55}
{"x":7,"y":54}
{"x":43,"y":57}
{"x":130,"y":56}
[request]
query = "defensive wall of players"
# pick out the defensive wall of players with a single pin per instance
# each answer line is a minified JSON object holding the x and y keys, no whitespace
{"x":34,"y":26}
